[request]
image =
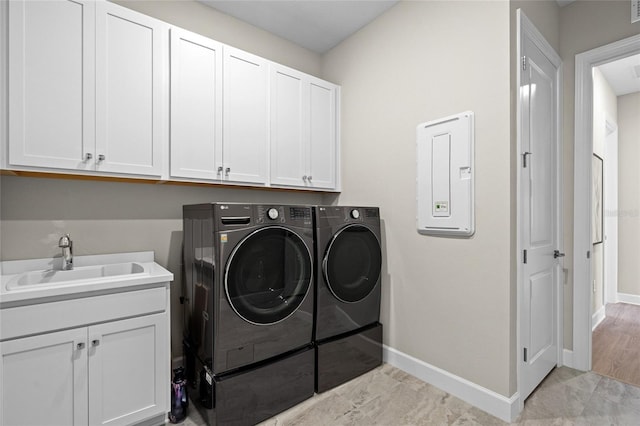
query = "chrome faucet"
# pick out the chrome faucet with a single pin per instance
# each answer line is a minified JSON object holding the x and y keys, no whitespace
{"x":66,"y":245}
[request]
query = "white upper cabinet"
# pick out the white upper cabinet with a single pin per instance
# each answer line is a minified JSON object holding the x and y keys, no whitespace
{"x":130,"y":89}
{"x":245,"y":134}
{"x":96,"y":88}
{"x":196,"y":106}
{"x":51,"y":80}
{"x":86,"y":87}
{"x":219,"y":111}
{"x":322,"y":135}
{"x":288,"y":128}
{"x":303,"y":130}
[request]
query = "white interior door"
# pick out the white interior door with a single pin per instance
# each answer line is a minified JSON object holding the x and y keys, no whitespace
{"x":540,"y":216}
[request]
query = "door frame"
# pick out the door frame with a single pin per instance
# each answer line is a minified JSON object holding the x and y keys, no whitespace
{"x":583,"y":150}
{"x":526,"y":29}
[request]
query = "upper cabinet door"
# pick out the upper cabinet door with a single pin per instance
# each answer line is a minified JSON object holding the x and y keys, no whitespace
{"x":130,"y":88}
{"x":51,"y":80}
{"x":196,"y":106}
{"x":289,"y":133}
{"x":322,"y":135}
{"x":303,"y":130}
{"x":245,"y":129}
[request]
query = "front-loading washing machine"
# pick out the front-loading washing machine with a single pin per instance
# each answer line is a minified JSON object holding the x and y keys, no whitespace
{"x":248,"y":303}
{"x":347,"y":331}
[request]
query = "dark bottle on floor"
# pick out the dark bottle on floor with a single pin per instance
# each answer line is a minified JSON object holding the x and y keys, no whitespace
{"x":179,"y":399}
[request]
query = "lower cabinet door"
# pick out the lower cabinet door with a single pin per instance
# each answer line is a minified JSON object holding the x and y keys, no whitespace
{"x":43,"y":379}
{"x":128,"y":370}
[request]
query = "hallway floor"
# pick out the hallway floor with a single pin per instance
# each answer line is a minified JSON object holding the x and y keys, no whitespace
{"x":388,"y":396}
{"x":616,"y":343}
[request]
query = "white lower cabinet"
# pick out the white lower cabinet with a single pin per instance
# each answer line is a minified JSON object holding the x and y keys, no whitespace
{"x":115,"y":373}
{"x":44,"y":379}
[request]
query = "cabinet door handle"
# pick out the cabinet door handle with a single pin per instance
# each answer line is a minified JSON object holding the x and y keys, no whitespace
{"x":220,"y":170}
{"x":80,"y":345}
{"x":227,"y":170}
{"x":101,"y":157}
{"x":309,"y":178}
{"x":304,"y":178}
{"x":88,"y":156}
{"x":95,"y":342}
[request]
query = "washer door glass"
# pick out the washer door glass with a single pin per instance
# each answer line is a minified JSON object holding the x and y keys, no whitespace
{"x":352,"y":263}
{"x":268,"y":275}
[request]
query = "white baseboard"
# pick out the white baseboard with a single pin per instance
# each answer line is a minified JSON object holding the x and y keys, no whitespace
{"x":567,"y":358}
{"x":505,"y":408}
{"x":597,"y":318}
{"x":629,"y":298}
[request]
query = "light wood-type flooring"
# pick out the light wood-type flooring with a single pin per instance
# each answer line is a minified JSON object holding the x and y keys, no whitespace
{"x":388,"y":396}
{"x":616,"y":344}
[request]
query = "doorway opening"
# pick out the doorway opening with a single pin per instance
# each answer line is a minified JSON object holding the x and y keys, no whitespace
{"x":584,"y":262}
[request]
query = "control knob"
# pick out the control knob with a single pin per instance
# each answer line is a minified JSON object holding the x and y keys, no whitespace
{"x":272,"y":213}
{"x":355,"y":214}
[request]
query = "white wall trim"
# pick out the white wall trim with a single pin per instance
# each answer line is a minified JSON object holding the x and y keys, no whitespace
{"x":597,"y":318}
{"x":4,"y":89}
{"x":505,"y":408}
{"x":634,"y":299}
{"x":567,"y":358}
{"x":583,"y":150}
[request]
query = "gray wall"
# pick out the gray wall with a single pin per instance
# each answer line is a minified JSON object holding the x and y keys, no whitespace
{"x":446,"y":301}
{"x":629,"y":194}
{"x":605,"y":106}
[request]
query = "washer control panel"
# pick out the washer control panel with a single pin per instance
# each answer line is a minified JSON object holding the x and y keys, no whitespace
{"x":300,"y":215}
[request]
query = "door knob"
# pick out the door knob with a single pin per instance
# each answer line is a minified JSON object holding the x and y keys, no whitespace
{"x":557,"y":254}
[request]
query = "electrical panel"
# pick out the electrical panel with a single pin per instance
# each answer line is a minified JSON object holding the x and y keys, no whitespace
{"x":445,"y":175}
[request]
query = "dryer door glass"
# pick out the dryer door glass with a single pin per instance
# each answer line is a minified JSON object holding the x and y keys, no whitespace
{"x":352,"y":263}
{"x":268,"y":275}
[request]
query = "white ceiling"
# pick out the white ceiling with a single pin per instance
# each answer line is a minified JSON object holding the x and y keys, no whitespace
{"x":317,"y":25}
{"x":623,"y":75}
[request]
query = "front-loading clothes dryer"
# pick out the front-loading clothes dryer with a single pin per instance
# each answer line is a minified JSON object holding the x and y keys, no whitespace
{"x":249,"y":301}
{"x":348,"y":290}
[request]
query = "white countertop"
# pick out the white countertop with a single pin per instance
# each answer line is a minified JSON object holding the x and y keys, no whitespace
{"x":13,"y":269}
